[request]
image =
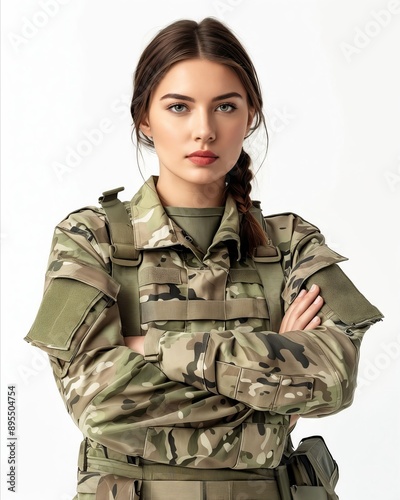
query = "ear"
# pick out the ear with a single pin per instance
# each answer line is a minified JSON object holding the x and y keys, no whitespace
{"x":145,"y":127}
{"x":250,"y":119}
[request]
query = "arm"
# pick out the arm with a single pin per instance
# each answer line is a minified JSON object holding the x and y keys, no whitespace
{"x":311,"y":372}
{"x":300,"y":315}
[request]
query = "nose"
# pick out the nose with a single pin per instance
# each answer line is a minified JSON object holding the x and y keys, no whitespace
{"x":203,"y":127}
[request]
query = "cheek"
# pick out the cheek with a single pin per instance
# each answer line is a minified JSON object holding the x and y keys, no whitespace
{"x":166,"y":132}
{"x":234,"y":137}
{"x":167,"y":141}
{"x":237,"y":130}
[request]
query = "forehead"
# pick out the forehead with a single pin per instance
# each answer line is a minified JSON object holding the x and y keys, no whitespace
{"x":201,"y":77}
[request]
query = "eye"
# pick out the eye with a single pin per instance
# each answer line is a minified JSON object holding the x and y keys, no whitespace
{"x":177,"y":108}
{"x":226,"y":107}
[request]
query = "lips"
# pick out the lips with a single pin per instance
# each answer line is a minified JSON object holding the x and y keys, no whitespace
{"x":203,"y":154}
{"x":202,"y":157}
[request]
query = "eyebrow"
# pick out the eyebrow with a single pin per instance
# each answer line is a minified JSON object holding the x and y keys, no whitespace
{"x":187,"y":98}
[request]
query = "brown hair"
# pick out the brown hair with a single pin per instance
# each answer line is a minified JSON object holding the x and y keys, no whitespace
{"x":212,"y":40}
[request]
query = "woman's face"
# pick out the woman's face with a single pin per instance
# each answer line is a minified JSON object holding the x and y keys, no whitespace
{"x":198,"y":117}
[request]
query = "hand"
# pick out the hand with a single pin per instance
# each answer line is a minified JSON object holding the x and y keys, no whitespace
{"x":135,"y":343}
{"x":302,"y":313}
{"x":293,"y":420}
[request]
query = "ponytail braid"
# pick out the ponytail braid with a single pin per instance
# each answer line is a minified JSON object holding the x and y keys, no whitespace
{"x":239,"y":186}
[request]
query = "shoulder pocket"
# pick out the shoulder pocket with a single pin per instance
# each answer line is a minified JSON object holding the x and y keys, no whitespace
{"x":319,"y":257}
{"x":66,"y":305}
{"x":343,"y":298}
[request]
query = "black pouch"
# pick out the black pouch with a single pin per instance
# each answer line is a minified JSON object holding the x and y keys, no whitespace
{"x":313,"y":472}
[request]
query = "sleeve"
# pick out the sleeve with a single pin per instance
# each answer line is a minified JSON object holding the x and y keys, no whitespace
{"x":111,"y":392}
{"x":310,"y":372}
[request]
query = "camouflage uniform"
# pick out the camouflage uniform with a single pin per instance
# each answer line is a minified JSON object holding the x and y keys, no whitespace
{"x":209,"y":393}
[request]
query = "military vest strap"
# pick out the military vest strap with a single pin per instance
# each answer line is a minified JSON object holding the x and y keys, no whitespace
{"x":272,"y":280}
{"x":272,"y":277}
{"x":125,"y":260}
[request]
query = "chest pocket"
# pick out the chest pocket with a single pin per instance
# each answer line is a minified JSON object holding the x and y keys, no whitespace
{"x":177,"y":296}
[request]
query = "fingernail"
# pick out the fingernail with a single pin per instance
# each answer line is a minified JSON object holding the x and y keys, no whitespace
{"x":302,"y":292}
{"x":317,"y":299}
{"x":312,"y":288}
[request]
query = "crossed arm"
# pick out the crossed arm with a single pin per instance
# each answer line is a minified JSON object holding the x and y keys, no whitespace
{"x":301,"y":315}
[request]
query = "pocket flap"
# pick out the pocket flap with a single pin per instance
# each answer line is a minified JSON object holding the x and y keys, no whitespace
{"x":64,"y":307}
{"x":341,"y":295}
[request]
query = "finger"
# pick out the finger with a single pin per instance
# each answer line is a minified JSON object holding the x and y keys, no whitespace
{"x":308,"y":315}
{"x":316,"y":321}
{"x":299,"y":315}
{"x":304,"y":300}
{"x":313,"y":291}
{"x":282,"y":328}
{"x":301,"y":303}
{"x":135,"y":343}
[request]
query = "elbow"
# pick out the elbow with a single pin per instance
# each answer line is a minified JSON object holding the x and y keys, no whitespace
{"x":332,"y":393}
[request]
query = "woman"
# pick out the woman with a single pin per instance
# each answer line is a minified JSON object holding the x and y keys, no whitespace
{"x":245,"y":323}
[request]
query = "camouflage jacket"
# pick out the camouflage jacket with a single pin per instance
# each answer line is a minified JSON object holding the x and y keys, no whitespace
{"x":209,"y":393}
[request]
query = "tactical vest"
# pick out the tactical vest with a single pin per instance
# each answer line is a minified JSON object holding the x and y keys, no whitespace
{"x":126,"y":258}
{"x":129,"y":475}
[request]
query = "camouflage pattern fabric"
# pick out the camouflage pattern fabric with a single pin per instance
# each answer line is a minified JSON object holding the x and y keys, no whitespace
{"x":216,"y":387}
{"x":112,"y":487}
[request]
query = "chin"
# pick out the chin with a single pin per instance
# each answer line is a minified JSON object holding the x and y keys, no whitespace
{"x":204,"y":177}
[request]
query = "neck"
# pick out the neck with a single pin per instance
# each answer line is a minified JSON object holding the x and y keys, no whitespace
{"x":185,"y":194}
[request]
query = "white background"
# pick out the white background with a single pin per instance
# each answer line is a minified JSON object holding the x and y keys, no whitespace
{"x":329,"y":71}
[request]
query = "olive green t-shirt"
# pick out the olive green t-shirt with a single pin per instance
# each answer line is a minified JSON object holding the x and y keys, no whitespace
{"x":200,"y":224}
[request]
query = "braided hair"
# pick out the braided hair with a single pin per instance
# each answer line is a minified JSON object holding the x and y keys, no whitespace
{"x":239,"y":187}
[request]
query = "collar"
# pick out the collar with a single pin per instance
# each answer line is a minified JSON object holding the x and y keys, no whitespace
{"x":154,"y":229}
